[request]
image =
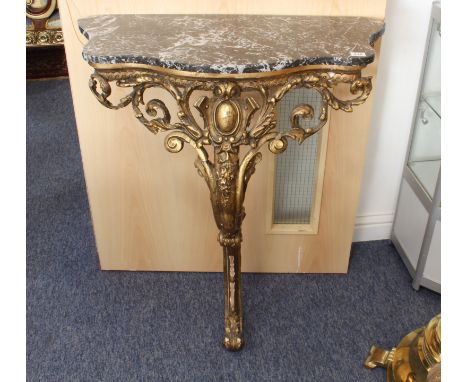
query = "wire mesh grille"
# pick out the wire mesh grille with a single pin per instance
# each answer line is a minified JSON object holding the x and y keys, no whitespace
{"x":296,"y":168}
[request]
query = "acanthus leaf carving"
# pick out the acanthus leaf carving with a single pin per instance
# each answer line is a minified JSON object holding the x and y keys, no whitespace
{"x":231,"y":116}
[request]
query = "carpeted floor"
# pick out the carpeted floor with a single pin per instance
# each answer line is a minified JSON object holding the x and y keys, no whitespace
{"x":88,"y":325}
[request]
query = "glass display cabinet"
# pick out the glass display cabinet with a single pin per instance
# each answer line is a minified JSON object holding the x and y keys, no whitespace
{"x":416,"y":229}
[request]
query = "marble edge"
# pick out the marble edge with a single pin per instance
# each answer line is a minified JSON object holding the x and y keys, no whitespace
{"x":80,"y":28}
{"x":375,"y":36}
{"x":254,"y":68}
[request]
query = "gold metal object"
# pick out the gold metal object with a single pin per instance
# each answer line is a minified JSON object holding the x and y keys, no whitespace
{"x":44,"y":37}
{"x":237,"y":110}
{"x":415,"y":359}
{"x":40,"y":9}
{"x":40,"y":33}
{"x":379,"y":357}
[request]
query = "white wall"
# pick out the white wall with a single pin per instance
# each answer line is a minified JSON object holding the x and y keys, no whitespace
{"x":395,"y":87}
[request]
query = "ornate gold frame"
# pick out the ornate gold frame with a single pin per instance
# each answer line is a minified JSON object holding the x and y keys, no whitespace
{"x":40,"y":34}
{"x":44,"y":37}
{"x":232,"y":117}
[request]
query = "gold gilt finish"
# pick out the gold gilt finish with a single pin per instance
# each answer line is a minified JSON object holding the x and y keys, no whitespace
{"x":44,"y":37}
{"x":38,"y":33}
{"x":236,"y":110}
{"x":415,"y":359}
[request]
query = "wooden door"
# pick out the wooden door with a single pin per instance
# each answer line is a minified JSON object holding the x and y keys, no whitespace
{"x":151,"y":210}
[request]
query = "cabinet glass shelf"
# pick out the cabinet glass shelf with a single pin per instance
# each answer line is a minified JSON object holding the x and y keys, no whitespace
{"x":424,"y":156}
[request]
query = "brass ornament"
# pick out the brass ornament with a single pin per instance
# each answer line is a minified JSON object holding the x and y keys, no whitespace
{"x":238,"y":111}
{"x":417,"y":357}
{"x":44,"y":37}
{"x":39,"y":10}
{"x":38,"y":33}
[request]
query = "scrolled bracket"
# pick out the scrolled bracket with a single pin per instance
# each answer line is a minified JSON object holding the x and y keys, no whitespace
{"x":232,"y":115}
{"x":362,"y":86}
{"x":102,"y":96}
{"x":227,"y":115}
{"x":235,"y":112}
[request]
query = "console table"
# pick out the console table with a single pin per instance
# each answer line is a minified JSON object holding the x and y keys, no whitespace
{"x":233,"y":70}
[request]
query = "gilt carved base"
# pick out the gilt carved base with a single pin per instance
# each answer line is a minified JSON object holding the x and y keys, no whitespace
{"x":236,"y":111}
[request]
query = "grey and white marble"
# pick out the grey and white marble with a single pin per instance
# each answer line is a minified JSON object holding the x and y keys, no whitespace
{"x":230,"y":43}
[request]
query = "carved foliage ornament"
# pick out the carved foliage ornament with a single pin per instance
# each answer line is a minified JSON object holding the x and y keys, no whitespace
{"x":237,"y":112}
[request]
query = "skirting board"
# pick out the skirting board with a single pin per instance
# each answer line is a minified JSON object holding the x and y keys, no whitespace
{"x":373,"y":227}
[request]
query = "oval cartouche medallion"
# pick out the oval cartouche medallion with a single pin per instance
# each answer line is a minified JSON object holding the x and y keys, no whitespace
{"x":226,"y":117}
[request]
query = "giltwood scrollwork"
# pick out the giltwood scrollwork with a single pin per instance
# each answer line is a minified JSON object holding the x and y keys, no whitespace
{"x":235,"y":112}
{"x":227,"y":115}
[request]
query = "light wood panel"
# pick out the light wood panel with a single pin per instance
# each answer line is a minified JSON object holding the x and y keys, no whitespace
{"x":151,"y":210}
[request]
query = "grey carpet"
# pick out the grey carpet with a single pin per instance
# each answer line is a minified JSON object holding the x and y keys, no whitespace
{"x":88,"y":325}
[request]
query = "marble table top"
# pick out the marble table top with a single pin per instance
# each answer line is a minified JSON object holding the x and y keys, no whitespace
{"x":230,"y":43}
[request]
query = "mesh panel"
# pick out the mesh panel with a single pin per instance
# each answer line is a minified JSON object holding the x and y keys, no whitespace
{"x":295,"y":176}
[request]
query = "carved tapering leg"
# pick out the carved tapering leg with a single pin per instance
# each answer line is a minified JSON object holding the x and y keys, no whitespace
{"x":233,"y":316}
{"x":229,"y":213}
{"x":227,"y":199}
